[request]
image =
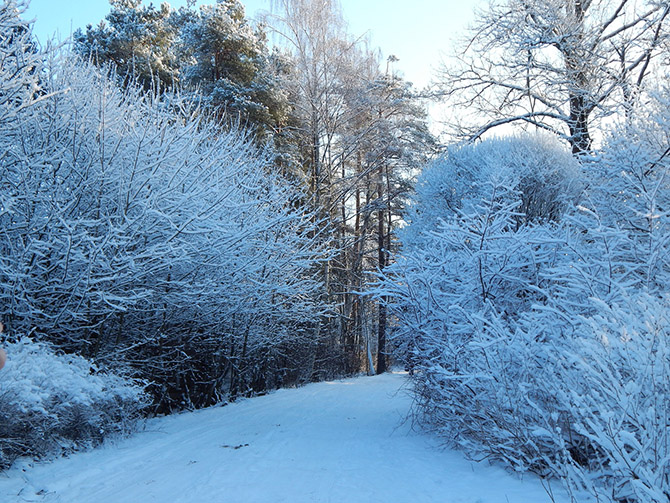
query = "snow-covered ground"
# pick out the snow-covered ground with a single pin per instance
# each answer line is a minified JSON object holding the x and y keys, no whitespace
{"x":342,"y":441}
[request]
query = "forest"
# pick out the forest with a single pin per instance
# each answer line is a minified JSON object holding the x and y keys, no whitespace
{"x":197,"y":207}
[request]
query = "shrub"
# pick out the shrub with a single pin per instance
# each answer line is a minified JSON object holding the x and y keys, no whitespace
{"x":138,"y":227}
{"x":543,"y":342}
{"x":54,"y":403}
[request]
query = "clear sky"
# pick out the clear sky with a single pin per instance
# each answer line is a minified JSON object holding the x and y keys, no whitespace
{"x":418,"y":32}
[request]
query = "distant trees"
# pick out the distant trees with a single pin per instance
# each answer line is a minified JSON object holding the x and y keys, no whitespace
{"x":213,"y":51}
{"x":139,"y":40}
{"x":228,"y":61}
{"x":361,"y":133}
{"x":560,"y":65}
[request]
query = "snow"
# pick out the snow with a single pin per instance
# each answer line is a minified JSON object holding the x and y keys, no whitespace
{"x":328,"y":442}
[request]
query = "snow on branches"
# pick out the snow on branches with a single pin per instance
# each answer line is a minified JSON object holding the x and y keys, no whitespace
{"x":137,"y":233}
{"x":537,"y":332}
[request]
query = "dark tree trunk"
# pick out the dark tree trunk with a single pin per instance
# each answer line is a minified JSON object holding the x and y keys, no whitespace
{"x":381,"y":327}
{"x":580,"y":138}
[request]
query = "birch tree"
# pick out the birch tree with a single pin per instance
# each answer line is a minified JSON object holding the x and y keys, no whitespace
{"x":361,"y":131}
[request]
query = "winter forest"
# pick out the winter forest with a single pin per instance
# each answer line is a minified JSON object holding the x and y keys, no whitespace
{"x":196,"y":207}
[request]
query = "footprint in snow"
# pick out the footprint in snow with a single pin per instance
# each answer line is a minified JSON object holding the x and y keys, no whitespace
{"x":235,"y":447}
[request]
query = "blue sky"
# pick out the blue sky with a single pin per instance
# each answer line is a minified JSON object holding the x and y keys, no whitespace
{"x":418,"y":32}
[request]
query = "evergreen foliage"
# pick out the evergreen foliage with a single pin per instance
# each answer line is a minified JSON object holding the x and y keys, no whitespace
{"x":214,"y":52}
{"x":139,"y":40}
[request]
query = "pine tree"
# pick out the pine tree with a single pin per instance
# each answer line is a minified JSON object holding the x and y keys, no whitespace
{"x":228,"y":60}
{"x":139,"y":40}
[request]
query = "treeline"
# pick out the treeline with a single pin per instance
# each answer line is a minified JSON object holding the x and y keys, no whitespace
{"x":344,"y":127}
{"x":185,"y":208}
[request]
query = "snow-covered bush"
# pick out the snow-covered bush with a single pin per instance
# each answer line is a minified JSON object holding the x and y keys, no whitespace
{"x":19,"y":74}
{"x":615,"y":376}
{"x":474,"y":239}
{"x":542,"y":342}
{"x":142,"y":236}
{"x":20,"y":62}
{"x":540,"y":178}
{"x":52,"y":403}
{"x":585,"y":398}
{"x":473,"y":260}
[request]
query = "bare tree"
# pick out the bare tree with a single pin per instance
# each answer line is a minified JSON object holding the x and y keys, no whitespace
{"x":358,"y":128}
{"x":559,"y":65}
{"x":327,"y":64}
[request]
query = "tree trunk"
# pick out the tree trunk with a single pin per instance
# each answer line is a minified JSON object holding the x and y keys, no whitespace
{"x":381,"y":327}
{"x":580,"y":138}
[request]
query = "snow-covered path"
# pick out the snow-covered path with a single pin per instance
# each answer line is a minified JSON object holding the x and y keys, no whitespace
{"x":342,"y":441}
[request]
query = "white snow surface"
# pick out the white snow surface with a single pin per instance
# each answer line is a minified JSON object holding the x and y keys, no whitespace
{"x":342,"y":441}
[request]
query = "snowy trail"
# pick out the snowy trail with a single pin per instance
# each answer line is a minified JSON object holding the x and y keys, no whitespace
{"x":341,"y":441}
